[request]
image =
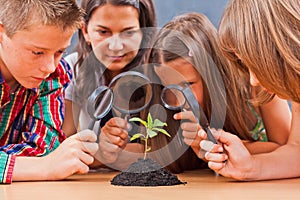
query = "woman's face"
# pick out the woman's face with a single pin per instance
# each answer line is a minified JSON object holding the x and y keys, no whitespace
{"x":115,"y":35}
{"x":180,"y":71}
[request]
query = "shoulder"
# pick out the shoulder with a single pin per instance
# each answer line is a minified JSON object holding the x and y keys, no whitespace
{"x":71,"y":59}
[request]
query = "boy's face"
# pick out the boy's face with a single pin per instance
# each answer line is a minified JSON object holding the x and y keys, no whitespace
{"x":31,"y":55}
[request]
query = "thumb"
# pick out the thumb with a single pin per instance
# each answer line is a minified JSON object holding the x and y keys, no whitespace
{"x":224,"y":137}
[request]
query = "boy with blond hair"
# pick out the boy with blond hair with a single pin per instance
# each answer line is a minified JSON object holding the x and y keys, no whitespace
{"x":33,"y":37}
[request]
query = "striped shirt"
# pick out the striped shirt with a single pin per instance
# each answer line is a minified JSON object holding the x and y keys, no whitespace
{"x":31,"y":119}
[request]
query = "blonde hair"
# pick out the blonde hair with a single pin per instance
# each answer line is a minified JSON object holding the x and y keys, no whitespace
{"x":264,"y":36}
{"x":18,"y":15}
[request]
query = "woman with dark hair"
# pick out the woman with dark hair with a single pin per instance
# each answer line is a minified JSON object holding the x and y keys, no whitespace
{"x":114,"y":38}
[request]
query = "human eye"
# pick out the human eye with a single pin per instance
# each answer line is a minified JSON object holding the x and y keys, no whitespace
{"x":60,"y":52}
{"x":128,"y":33}
{"x":102,"y":32}
{"x":37,"y":53}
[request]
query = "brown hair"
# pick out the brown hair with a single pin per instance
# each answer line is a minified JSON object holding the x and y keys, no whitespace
{"x":193,"y":37}
{"x":147,"y":18}
{"x":264,"y":37}
{"x":61,"y":13}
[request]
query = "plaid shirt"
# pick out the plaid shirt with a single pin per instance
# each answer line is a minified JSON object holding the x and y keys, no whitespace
{"x":31,"y":119}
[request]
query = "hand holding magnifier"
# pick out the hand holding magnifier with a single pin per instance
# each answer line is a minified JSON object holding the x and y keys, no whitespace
{"x":129,"y":93}
{"x":174,"y":97}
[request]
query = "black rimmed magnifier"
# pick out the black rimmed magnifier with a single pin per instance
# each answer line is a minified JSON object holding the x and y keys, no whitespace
{"x":129,"y":93}
{"x":174,"y":97}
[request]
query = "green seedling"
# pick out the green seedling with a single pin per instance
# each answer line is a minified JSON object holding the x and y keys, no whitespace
{"x":152,"y":130}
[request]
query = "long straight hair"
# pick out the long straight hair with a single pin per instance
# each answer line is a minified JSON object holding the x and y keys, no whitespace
{"x":192,"y":37}
{"x":264,"y":36}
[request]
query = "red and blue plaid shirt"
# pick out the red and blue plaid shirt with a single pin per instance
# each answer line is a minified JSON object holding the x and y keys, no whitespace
{"x":31,"y":119}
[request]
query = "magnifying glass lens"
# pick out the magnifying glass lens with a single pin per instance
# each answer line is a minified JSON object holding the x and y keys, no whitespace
{"x":103,"y":104}
{"x":173,"y":98}
{"x":132,"y":93}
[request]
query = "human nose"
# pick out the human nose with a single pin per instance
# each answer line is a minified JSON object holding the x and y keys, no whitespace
{"x":115,"y":43}
{"x":49,"y":65}
{"x":253,"y":80}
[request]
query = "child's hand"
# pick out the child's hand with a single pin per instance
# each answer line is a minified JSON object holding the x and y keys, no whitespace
{"x":230,"y":158}
{"x":113,"y":139}
{"x":190,"y":129}
{"x":72,"y":156}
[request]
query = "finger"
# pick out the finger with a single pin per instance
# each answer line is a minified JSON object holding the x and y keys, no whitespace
{"x":224,"y":137}
{"x":117,"y":122}
{"x":90,"y":148}
{"x":85,"y":135}
{"x":114,"y":131}
{"x":202,"y":134}
{"x":216,"y":166}
{"x":220,"y":135}
{"x":189,"y":135}
{"x":109,"y":147}
{"x":216,"y":157}
{"x":82,"y":168}
{"x":190,"y":126}
{"x":85,"y":157}
{"x":211,"y":147}
{"x":188,"y":141}
{"x":201,"y":154}
{"x":117,"y":140}
{"x":186,"y":115}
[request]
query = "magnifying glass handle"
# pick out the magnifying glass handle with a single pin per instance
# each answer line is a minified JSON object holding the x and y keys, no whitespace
{"x":91,"y":125}
{"x":210,"y":135}
{"x":98,"y":131}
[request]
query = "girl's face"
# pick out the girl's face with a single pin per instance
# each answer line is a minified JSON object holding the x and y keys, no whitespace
{"x":182,"y":72}
{"x":115,"y":35}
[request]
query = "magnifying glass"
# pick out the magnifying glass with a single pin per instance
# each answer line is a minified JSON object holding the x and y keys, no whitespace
{"x":129,"y":92}
{"x":132,"y":92}
{"x":99,"y":104}
{"x":174,"y":97}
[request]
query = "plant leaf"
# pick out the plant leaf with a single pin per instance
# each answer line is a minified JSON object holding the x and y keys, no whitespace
{"x":148,"y":149}
{"x":162,"y":131}
{"x":158,"y":123}
{"x":151,"y":133}
{"x":137,"y":119}
{"x":149,"y":121}
{"x":136,"y":136}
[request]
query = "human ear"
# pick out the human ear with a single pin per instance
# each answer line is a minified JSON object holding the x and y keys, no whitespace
{"x":85,"y":33}
{"x":1,"y":31}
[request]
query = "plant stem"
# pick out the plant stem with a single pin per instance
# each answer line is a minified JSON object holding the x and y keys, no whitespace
{"x":146,"y":147}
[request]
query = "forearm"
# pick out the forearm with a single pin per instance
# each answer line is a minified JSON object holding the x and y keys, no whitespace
{"x":284,"y":162}
{"x":260,"y":147}
{"x":29,"y":169}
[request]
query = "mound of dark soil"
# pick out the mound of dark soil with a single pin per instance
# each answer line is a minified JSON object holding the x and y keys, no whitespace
{"x":145,"y":173}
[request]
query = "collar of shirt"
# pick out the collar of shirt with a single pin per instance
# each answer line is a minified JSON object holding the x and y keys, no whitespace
{"x":5,"y":91}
